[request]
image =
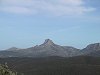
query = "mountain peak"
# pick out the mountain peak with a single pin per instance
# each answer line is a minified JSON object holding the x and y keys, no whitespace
{"x":48,"y":42}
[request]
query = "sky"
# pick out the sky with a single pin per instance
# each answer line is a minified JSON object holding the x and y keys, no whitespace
{"x":26,"y":23}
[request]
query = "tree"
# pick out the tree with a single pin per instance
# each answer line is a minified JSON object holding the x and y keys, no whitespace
{"x":4,"y":70}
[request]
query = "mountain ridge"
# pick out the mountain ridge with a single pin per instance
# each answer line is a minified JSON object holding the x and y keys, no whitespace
{"x":49,"y":48}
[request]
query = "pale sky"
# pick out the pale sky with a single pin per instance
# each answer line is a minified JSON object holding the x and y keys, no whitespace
{"x":26,"y":23}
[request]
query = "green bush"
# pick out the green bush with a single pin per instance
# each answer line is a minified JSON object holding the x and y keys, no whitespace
{"x":4,"y":70}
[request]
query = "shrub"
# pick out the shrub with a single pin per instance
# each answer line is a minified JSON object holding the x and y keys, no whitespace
{"x":4,"y":70}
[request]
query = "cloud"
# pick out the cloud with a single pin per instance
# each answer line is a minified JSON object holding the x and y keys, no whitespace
{"x":17,"y":10}
{"x":55,"y":7}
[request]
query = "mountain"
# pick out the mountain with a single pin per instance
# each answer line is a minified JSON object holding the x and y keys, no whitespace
{"x":96,"y":50}
{"x":48,"y":48}
{"x":12,"y":49}
{"x":91,"y":50}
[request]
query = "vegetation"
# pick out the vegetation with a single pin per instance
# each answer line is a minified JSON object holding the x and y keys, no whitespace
{"x":4,"y":70}
{"x":82,"y":65}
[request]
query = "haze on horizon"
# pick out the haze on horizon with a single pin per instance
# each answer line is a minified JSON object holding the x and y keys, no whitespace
{"x":25,"y":23}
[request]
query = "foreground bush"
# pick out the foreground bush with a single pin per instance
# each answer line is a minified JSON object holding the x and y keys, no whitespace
{"x":4,"y":70}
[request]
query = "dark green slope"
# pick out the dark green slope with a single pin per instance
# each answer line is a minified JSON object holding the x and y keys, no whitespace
{"x":82,"y":65}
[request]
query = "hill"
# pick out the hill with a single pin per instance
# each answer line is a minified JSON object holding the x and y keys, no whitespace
{"x":81,"y":65}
